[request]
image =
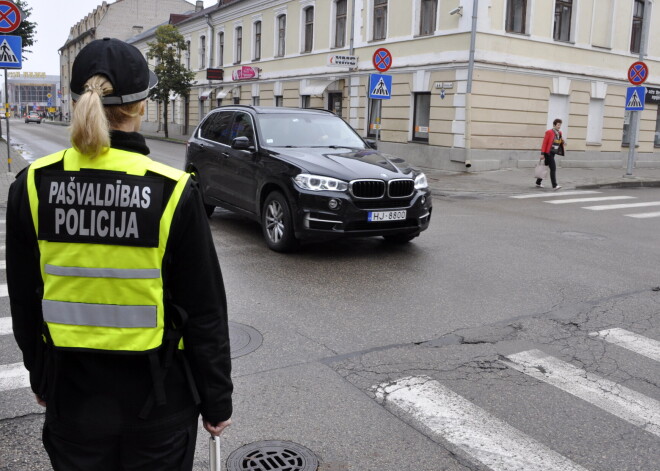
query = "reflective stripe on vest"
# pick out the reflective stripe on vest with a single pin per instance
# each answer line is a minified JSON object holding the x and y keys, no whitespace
{"x":97,"y":295}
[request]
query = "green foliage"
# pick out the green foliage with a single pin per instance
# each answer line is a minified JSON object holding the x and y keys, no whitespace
{"x":26,"y":29}
{"x":173,"y":76}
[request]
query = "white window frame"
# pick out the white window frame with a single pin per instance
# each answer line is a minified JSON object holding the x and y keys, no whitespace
{"x":238,"y":58}
{"x":372,"y":20}
{"x":528,"y":18}
{"x":572,"y":33}
{"x":202,"y":52}
{"x":333,"y":29}
{"x":417,"y":18}
{"x":276,"y":51}
{"x":254,"y":39}
{"x":303,"y":24}
{"x":221,"y":50}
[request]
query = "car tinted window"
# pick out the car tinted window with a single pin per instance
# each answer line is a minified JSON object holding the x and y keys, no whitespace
{"x":242,"y":127}
{"x":307,"y":130}
{"x":217,"y":127}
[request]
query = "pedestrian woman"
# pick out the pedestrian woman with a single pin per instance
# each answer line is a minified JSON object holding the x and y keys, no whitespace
{"x":553,"y":144}
{"x":117,"y":298}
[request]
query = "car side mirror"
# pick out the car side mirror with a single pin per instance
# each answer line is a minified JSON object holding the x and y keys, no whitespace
{"x":371,"y":143}
{"x":241,"y":143}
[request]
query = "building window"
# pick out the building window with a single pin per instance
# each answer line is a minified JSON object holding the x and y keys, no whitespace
{"x":427,"y":13}
{"x":563,"y":14}
{"x":340,"y":23}
{"x":281,"y":35}
{"x":279,"y":100}
{"x":516,"y":16}
{"x":304,"y":101}
{"x":380,"y":19}
{"x":421,"y":117}
{"x":374,"y":116}
{"x":257,"y":41}
{"x":309,"y":29}
{"x":237,"y":100}
{"x":656,"y":139}
{"x":221,"y":49}
{"x":239,"y":45}
{"x":219,"y":102}
{"x":202,"y":52}
{"x":638,"y":19}
{"x":188,"y":55}
{"x":255,"y":101}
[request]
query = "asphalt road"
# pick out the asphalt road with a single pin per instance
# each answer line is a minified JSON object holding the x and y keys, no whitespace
{"x":515,"y":333}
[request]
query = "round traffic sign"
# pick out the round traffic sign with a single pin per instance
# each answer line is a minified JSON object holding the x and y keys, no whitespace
{"x":638,"y":73}
{"x":382,"y":60}
{"x":10,"y":16}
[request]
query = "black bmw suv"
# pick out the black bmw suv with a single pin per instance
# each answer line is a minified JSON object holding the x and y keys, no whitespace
{"x":305,"y":174}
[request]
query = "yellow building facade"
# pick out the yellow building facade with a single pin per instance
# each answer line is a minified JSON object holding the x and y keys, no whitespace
{"x":478,"y":85}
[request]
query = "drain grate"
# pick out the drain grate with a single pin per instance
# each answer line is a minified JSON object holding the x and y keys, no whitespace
{"x":272,"y":455}
{"x":243,"y":339}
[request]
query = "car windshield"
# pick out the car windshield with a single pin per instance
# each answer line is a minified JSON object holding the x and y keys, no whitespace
{"x":307,"y":130}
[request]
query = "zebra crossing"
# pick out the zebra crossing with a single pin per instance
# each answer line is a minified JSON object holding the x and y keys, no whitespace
{"x":12,"y":375}
{"x":489,"y":441}
{"x":586,"y":202}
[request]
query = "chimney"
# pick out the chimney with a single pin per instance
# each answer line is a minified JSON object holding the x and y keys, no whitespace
{"x":199,"y":5}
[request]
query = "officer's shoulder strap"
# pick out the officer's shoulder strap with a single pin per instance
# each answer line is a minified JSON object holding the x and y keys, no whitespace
{"x":48,"y":160}
{"x":166,"y":170}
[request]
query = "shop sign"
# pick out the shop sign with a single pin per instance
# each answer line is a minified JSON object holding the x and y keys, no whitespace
{"x":652,"y":96}
{"x":214,"y":74}
{"x":342,"y":61}
{"x":245,"y":73}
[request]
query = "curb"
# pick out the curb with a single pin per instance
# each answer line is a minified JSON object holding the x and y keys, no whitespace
{"x":633,"y":184}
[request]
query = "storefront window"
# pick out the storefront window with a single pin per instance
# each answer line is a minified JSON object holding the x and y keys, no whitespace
{"x":422,"y":117}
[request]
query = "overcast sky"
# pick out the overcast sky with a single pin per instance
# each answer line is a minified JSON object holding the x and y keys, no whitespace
{"x":54,"y":20}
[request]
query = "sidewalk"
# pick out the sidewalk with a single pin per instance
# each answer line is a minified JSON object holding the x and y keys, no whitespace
{"x":496,"y":182}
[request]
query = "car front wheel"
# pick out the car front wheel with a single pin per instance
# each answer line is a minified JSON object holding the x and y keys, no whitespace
{"x":277,"y":223}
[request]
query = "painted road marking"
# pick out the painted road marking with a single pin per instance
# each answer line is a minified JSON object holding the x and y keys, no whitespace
{"x":5,"y":326}
{"x":561,"y":193}
{"x":13,"y":376}
{"x":3,"y":290}
{"x":645,"y":346}
{"x":644,"y":215}
{"x":485,"y":438}
{"x":622,"y":206}
{"x":3,"y":265}
{"x":618,"y":400}
{"x":586,"y":200}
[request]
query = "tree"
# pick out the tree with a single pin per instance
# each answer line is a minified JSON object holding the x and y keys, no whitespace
{"x":26,"y":28}
{"x":173,"y":77}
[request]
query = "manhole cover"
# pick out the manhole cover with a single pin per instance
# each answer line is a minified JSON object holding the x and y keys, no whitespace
{"x":243,"y":338}
{"x":272,"y":455}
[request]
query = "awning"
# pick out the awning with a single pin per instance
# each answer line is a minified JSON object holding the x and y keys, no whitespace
{"x":205,"y":94}
{"x":221,"y":93}
{"x":314,"y":87}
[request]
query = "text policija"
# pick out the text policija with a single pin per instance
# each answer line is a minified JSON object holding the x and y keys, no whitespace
{"x":117,"y":221}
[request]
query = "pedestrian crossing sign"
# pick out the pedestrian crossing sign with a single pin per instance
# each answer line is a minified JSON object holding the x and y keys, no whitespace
{"x":380,"y":86}
{"x":10,"y":52}
{"x":635,"y":98}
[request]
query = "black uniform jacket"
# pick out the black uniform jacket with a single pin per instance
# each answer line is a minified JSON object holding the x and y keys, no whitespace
{"x":92,"y":391}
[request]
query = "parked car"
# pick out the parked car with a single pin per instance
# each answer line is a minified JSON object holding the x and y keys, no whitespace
{"x":305,"y":174}
{"x":33,"y":118}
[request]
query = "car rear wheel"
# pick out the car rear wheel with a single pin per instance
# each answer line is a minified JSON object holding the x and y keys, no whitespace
{"x":277,"y":223}
{"x":399,"y":238}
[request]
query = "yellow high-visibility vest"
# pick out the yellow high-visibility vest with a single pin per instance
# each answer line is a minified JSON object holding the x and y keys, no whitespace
{"x":102,"y":227}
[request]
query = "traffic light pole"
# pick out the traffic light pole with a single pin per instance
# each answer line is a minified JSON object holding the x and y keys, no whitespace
{"x":634,"y":115}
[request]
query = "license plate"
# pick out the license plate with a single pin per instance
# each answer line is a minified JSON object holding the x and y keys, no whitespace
{"x":381,"y":216}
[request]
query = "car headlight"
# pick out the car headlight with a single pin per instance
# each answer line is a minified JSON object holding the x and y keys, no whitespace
{"x":319,"y":183}
{"x":421,"y":182}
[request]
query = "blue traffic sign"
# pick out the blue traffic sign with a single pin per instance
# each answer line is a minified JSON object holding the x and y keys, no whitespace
{"x":380,"y":86}
{"x":10,"y":52}
{"x":635,"y":97}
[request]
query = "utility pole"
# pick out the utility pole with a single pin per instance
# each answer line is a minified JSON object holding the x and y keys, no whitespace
{"x":635,"y":115}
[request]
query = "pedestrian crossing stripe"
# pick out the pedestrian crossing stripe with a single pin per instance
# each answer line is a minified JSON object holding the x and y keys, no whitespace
{"x":7,"y":54}
{"x":631,"y":341}
{"x":13,"y":376}
{"x":380,"y":89}
{"x":5,"y":326}
{"x":4,"y":292}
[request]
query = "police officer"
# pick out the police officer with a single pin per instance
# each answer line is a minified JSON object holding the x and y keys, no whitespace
{"x":117,"y":298}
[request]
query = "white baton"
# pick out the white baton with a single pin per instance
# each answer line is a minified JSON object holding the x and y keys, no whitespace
{"x":215,"y":461}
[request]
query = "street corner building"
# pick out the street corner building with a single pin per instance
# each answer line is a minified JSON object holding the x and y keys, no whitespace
{"x":474,"y":83}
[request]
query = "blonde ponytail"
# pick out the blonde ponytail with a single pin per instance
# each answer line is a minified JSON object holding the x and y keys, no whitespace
{"x":90,"y":132}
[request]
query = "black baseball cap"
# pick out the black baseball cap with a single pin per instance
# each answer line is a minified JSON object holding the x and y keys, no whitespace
{"x":123,"y":65}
